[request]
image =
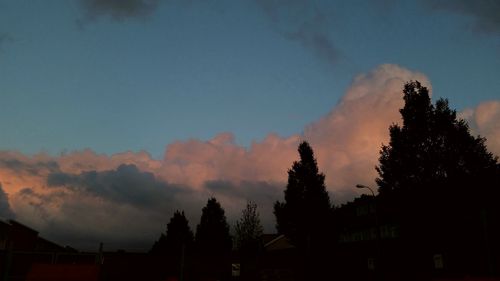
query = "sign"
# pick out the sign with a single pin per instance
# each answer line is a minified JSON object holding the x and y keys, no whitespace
{"x":235,"y":270}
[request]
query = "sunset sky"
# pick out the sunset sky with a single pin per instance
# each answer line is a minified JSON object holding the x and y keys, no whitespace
{"x":115,"y":111}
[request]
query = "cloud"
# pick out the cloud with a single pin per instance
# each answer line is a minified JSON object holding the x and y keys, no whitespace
{"x":484,"y":12}
{"x":96,"y":194}
{"x":26,"y":167}
{"x":125,"y":185}
{"x":118,"y":10}
{"x":346,"y":142}
{"x":484,"y":120}
{"x":304,"y":22}
{"x":96,"y":206}
{"x":348,"y":139}
{"x":196,"y":162}
{"x":82,"y":220}
{"x":82,"y":198}
{"x":127,"y":198}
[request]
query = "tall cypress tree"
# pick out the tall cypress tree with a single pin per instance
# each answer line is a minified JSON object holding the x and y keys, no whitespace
{"x":212,"y":233}
{"x":213,"y":242}
{"x":179,"y":233}
{"x":177,"y":236}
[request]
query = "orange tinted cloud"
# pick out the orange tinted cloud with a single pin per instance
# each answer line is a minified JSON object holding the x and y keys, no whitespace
{"x":83,"y":196}
{"x":348,"y":139}
{"x":195,"y":162}
{"x":485,"y":121}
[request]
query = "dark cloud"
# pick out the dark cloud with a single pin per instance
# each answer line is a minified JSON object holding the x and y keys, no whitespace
{"x":321,"y":45}
{"x":304,"y":22}
{"x":127,"y":184}
{"x":86,"y":208}
{"x":5,"y":210}
{"x":118,"y":10}
{"x":486,"y":13}
{"x":38,"y":201}
{"x":71,"y":219}
{"x":5,"y":38}
{"x":26,"y":167}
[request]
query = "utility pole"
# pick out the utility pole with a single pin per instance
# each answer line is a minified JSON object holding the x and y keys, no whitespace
{"x":183,"y":254}
{"x":378,"y":260}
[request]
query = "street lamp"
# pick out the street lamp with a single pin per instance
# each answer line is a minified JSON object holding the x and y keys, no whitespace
{"x":377,"y":238}
{"x":365,"y":186}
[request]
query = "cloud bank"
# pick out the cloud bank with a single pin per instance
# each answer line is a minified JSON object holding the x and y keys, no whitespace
{"x":125,"y":199}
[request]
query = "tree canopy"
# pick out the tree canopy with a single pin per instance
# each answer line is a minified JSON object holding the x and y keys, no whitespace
{"x":433,"y":150}
{"x":305,"y":213}
{"x":441,"y":181}
{"x":248,"y":229}
{"x":248,"y":232}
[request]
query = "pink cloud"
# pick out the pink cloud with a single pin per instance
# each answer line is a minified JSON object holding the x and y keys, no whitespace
{"x":484,"y":120}
{"x":346,"y":142}
{"x":348,"y":139}
{"x":195,"y":162}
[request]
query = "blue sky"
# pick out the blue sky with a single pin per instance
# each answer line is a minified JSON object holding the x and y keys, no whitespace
{"x":75,"y":76}
{"x":144,"y":107}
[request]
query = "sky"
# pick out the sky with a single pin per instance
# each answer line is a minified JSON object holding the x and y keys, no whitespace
{"x":126,"y":110}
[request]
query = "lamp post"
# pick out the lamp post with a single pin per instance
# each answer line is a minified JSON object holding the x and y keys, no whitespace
{"x":377,"y":232}
{"x":365,"y":186}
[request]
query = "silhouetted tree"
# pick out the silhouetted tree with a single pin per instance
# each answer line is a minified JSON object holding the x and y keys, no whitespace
{"x":248,"y":229}
{"x":159,"y":247}
{"x":177,"y":237}
{"x":212,"y":233}
{"x":213,"y":241}
{"x":175,"y":246}
{"x":306,"y":211}
{"x":248,"y":232}
{"x":178,"y":233}
{"x":439,"y":176}
{"x":305,"y":215}
{"x":432,"y":149}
